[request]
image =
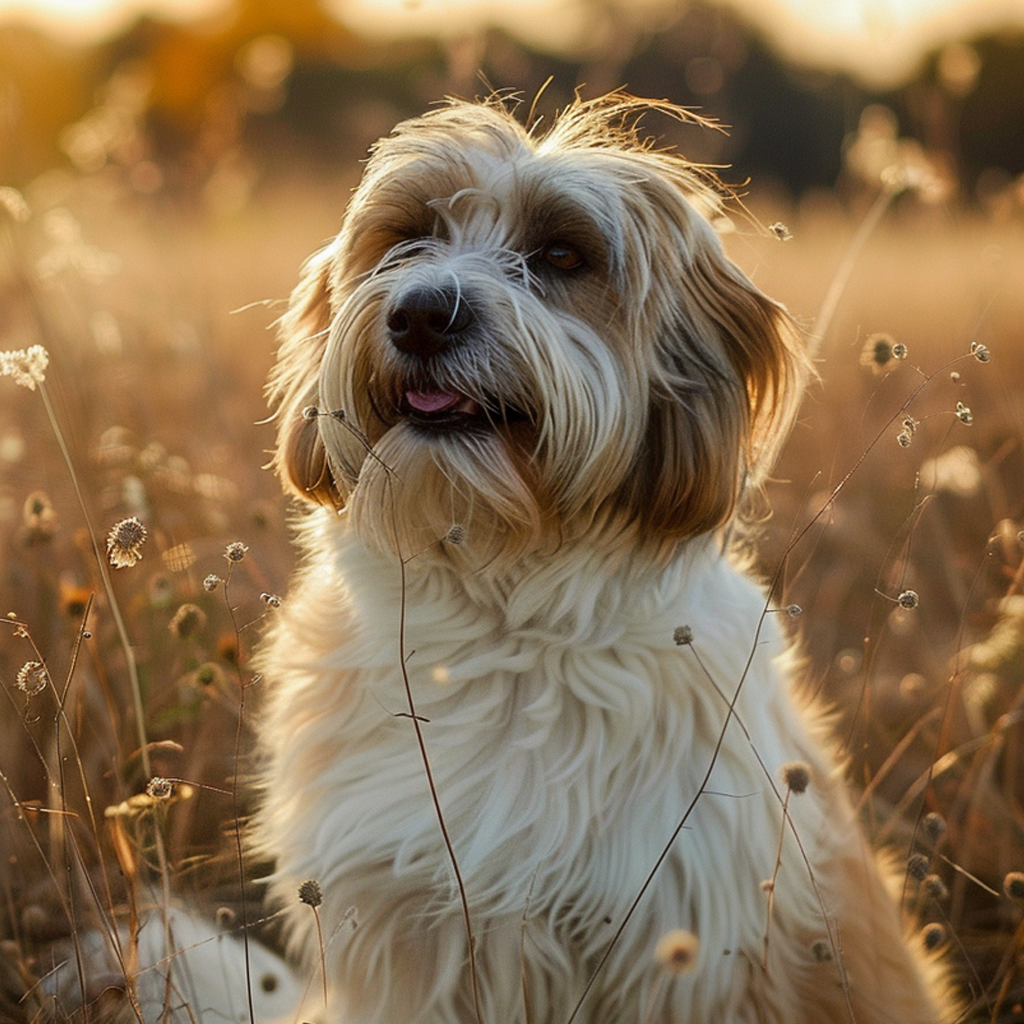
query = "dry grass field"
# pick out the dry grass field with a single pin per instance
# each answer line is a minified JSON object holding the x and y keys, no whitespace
{"x":156,"y":320}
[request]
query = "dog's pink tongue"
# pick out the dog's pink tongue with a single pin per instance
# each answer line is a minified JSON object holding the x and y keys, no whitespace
{"x":432,"y":401}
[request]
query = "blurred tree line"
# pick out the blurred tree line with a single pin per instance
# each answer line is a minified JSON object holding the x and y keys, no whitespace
{"x":212,"y":107}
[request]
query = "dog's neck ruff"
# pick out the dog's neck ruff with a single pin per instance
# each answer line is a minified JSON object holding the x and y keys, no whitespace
{"x":583,"y":588}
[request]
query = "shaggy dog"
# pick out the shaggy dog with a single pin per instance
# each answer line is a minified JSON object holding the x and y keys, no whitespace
{"x":530,"y":728}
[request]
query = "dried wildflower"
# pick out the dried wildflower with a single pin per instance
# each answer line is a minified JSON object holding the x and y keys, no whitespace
{"x":227,"y":648}
{"x":676,"y":951}
{"x":880,"y":352}
{"x":225,"y":917}
{"x":908,"y":599}
{"x":935,"y":887}
{"x":188,"y":620}
{"x":797,"y":776}
{"x":32,"y":678}
{"x":904,"y":438}
{"x":963,"y":414}
{"x":235,"y":551}
{"x":211,"y":583}
{"x":456,"y":534}
{"x":917,"y":866}
{"x":794,"y":611}
{"x":933,"y":936}
{"x":310,"y":893}
{"x":311,"y":412}
{"x":980,"y":352}
{"x":821,"y":951}
{"x":124,"y":541}
{"x":780,"y":231}
{"x":73,"y":599}
{"x":271,"y":600}
{"x":682,"y":636}
{"x":160,"y":788}
{"x":26,"y":365}
{"x":1013,"y":886}
{"x":934,"y":826}
{"x":39,"y":518}
{"x":208,"y":676}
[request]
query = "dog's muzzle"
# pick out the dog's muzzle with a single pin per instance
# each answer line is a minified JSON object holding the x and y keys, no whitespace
{"x":425,"y":323}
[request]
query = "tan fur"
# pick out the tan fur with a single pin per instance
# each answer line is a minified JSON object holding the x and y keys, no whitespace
{"x":521,"y":571}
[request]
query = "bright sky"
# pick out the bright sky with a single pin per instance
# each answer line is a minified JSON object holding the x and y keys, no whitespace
{"x":877,"y":37}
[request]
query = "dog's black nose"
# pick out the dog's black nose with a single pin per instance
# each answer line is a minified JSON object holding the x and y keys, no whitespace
{"x":425,"y":321}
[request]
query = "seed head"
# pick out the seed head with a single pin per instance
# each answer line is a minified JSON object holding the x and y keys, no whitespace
{"x":456,"y":534}
{"x":124,"y":542}
{"x":821,"y":950}
{"x":1013,"y":886}
{"x":209,"y":674}
{"x":933,"y":936}
{"x":39,"y":518}
{"x":880,"y":352}
{"x":934,"y":826}
{"x":780,"y":231}
{"x":797,"y":776}
{"x":160,"y":788}
{"x":963,"y":414}
{"x":904,"y":438}
{"x":32,"y":677}
{"x":235,"y":551}
{"x":935,"y":887}
{"x":211,"y":583}
{"x":310,"y":893}
{"x":980,"y":352}
{"x":908,"y":599}
{"x":676,"y":951}
{"x":917,"y":866}
{"x":188,"y":620}
{"x":310,"y":412}
{"x":682,"y":636}
{"x":271,"y":600}
{"x":794,"y":611}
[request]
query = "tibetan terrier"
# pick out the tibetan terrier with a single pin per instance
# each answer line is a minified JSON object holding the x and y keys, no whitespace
{"x":529,"y":736}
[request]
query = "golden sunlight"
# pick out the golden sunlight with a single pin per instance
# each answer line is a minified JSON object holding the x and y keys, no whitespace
{"x":878,"y":39}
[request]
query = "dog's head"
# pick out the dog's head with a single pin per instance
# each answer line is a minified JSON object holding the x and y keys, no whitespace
{"x":532,"y":339}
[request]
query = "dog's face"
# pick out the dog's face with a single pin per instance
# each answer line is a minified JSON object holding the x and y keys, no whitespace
{"x":532,"y":339}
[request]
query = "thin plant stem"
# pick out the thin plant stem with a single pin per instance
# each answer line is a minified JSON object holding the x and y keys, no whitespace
{"x":108,"y":589}
{"x":841,"y":278}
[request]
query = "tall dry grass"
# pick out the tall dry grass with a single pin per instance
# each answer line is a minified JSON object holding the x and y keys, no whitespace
{"x":156,"y":325}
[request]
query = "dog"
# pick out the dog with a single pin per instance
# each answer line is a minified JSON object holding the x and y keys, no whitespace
{"x":530,"y":745}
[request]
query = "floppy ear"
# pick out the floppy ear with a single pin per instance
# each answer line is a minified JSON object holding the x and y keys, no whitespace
{"x":731,"y":377}
{"x":300,"y":459}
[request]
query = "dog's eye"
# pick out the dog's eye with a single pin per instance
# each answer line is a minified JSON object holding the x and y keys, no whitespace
{"x":562,"y":256}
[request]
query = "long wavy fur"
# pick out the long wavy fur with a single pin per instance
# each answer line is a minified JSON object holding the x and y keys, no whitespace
{"x":536,"y":565}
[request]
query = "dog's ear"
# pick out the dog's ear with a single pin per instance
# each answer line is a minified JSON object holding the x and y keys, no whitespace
{"x":300,"y":459}
{"x":731,"y":375}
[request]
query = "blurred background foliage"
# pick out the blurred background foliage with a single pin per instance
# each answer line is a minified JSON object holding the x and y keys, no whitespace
{"x":263,"y":85}
{"x":160,"y":186}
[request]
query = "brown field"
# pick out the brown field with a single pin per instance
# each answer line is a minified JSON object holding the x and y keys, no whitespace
{"x":157,"y":323}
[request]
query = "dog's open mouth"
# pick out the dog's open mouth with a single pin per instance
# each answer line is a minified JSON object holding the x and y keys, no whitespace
{"x":436,"y":409}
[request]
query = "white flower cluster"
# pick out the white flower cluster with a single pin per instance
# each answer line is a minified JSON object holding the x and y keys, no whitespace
{"x":26,"y":365}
